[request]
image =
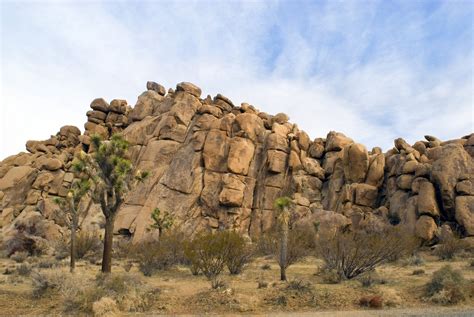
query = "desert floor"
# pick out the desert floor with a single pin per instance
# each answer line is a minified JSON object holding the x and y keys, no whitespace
{"x":179,"y":292}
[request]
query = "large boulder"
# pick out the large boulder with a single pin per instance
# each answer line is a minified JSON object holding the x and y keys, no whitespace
{"x":336,"y":141}
{"x":356,"y":163}
{"x":465,"y":213}
{"x":241,"y":153}
{"x":189,"y":88}
{"x":215,"y":151}
{"x":425,"y":228}
{"x":427,"y":200}
{"x":453,"y":164}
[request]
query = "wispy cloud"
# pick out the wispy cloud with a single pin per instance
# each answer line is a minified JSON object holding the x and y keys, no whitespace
{"x":375,"y":70}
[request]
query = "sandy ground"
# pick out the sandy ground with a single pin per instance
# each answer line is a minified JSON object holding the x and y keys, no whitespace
{"x":182,"y":293}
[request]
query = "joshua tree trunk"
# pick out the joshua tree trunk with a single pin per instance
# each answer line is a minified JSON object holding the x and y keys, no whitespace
{"x":283,"y":244}
{"x":108,"y":245}
{"x":72,"y":265}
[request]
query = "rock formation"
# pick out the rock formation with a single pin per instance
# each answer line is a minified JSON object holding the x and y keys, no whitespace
{"x":216,"y":165}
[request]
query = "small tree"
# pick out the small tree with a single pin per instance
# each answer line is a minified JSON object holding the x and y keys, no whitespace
{"x":72,"y":213}
{"x":161,"y":222}
{"x":282,"y":205}
{"x":112,"y":175}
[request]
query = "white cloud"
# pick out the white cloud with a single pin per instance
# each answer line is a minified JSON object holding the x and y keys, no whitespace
{"x":334,"y":69}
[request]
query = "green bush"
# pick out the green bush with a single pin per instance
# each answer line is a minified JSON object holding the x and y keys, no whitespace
{"x":208,"y":253}
{"x":239,"y":253}
{"x":447,"y":286}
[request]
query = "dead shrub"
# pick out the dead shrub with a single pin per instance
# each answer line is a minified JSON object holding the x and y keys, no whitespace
{"x":450,"y":246}
{"x":88,"y":243}
{"x":105,"y":306}
{"x":262,"y":284}
{"x":266,"y":267}
{"x":414,"y":260}
{"x":418,"y":272}
{"x":19,"y":256}
{"x":21,"y":241}
{"x":351,"y":253}
{"x":47,"y":264}
{"x":329,"y":276}
{"x":447,"y":286}
{"x":44,"y":282}
{"x":24,"y":269}
{"x":299,"y":286}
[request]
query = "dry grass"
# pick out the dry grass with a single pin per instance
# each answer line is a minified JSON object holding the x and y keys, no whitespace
{"x":183,"y":293}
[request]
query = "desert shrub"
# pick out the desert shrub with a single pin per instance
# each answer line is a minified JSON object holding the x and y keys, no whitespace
{"x":19,"y":256}
{"x":266,"y":267}
{"x":217,"y":283}
{"x":238,"y":254}
{"x":351,"y":253}
{"x":414,"y":260}
{"x":127,"y":266}
{"x":266,"y":243}
{"x":21,"y":242}
{"x":47,"y":264}
{"x":447,"y":286}
{"x":329,"y":276}
{"x":262,"y":284}
{"x":43,"y":282}
{"x":87,"y":244}
{"x":208,"y":253}
{"x":105,"y":306}
{"x":61,"y":248}
{"x":471,"y":263}
{"x":24,"y":269}
{"x":160,"y":254}
{"x":418,"y":272}
{"x":299,"y":286}
{"x":128,"y":292}
{"x":450,"y":246}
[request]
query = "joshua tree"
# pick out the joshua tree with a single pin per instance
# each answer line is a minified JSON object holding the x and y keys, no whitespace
{"x":72,"y":212}
{"x":161,"y":222}
{"x":111,"y":175}
{"x":282,"y":205}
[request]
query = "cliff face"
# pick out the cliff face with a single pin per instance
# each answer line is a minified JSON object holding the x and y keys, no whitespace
{"x":216,"y":165}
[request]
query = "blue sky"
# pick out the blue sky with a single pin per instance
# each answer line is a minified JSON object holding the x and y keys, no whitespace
{"x":375,"y":70}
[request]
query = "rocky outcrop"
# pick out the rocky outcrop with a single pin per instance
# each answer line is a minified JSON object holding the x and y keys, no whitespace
{"x":216,"y":165}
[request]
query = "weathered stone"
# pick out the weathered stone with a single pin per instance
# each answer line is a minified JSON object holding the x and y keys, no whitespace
{"x":118,"y":106}
{"x":365,"y":195}
{"x":50,"y":164}
{"x":316,"y":150}
{"x":151,"y":85}
{"x":453,"y":164}
{"x":303,"y":140}
{"x":336,"y":141}
{"x":410,"y":167}
{"x":415,"y":185}
{"x":95,"y":114}
{"x":232,"y":193}
{"x":276,"y":161}
{"x":278,"y":142}
{"x":375,"y":172}
{"x":465,"y":187}
{"x":281,"y":118}
{"x":294,"y":161}
{"x":215,"y":151}
{"x":330,"y":160}
{"x":356,"y":163}
{"x":100,"y":104}
{"x":312,"y":167}
{"x":241,"y":153}
{"x":189,"y":88}
{"x":404,"y":181}
{"x":427,"y":200}
{"x":425,"y":228}
{"x":465,"y":213}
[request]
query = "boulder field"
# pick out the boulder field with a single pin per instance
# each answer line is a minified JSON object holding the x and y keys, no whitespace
{"x":215,"y":165}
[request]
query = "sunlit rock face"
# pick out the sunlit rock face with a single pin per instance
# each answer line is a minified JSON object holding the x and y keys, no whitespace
{"x":214,"y":165}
